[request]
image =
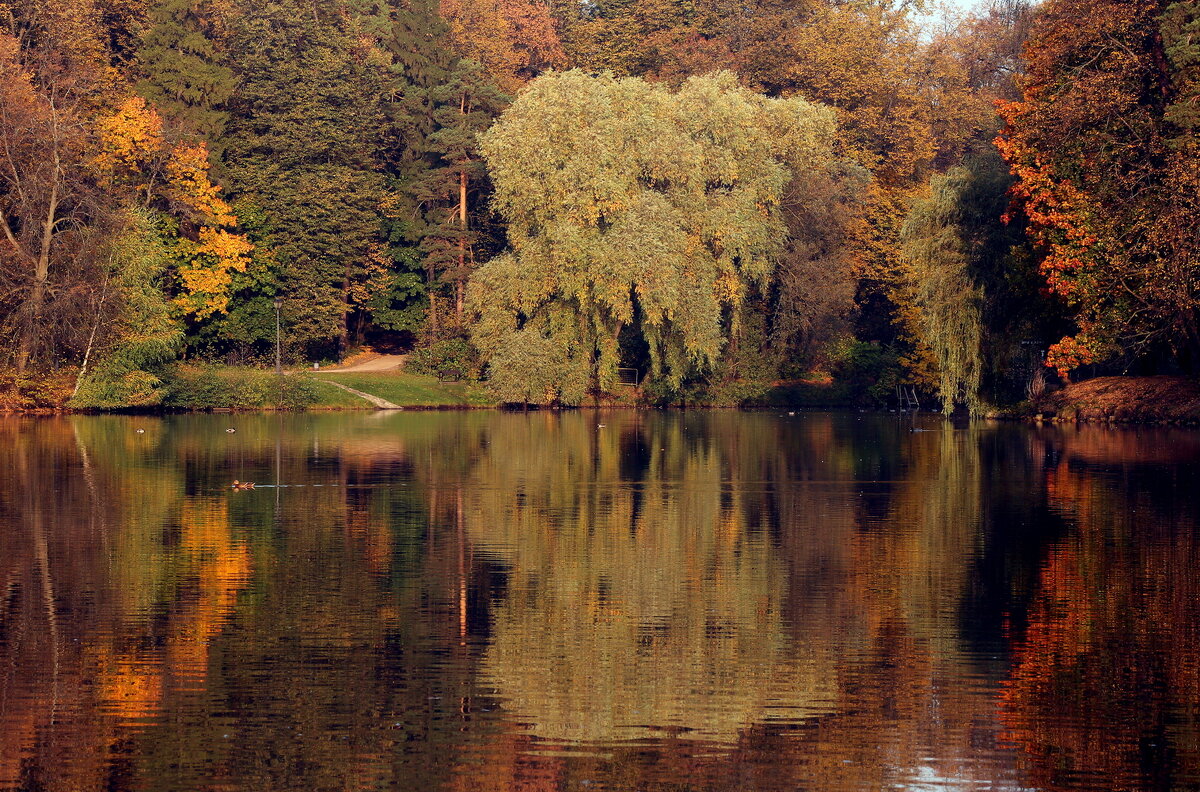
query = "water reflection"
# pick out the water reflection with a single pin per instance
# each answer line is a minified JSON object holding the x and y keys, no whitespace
{"x":644,"y":598}
{"x":1105,"y":689}
{"x":579,"y":601}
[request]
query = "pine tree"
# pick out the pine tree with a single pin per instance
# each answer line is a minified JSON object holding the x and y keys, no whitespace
{"x":466,"y":105}
{"x":305,"y":134}
{"x":415,"y":39}
{"x":184,"y":73}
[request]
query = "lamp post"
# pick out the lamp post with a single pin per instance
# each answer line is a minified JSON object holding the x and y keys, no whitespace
{"x":278,"y":303}
{"x":278,"y":367}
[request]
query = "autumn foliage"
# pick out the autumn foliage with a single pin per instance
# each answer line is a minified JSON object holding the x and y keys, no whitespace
{"x":329,"y":157}
{"x":134,"y":149}
{"x":1104,"y":145}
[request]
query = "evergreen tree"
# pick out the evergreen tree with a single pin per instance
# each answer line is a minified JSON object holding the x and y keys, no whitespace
{"x":305,"y":134}
{"x":414,"y":38}
{"x":184,"y":74}
{"x":454,"y":190}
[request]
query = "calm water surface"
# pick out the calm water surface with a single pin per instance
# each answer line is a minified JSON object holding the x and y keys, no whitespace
{"x":596,"y":601}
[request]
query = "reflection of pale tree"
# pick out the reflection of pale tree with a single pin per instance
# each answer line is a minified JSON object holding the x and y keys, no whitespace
{"x":909,"y":684}
{"x":792,"y":588}
{"x":647,"y":606}
{"x":918,"y":563}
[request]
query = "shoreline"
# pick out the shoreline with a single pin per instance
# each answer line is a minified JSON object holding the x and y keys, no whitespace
{"x":1159,"y":400}
{"x":1132,"y":401}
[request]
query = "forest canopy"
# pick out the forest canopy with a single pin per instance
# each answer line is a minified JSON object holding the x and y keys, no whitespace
{"x":726,"y":199}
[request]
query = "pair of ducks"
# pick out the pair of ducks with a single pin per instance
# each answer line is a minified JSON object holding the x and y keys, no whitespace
{"x":242,"y":485}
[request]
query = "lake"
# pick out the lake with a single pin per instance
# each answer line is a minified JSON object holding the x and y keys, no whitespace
{"x":478,"y":601}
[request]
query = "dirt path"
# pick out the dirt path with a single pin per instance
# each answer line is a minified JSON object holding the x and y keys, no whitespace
{"x":380,"y":363}
{"x":382,"y":404}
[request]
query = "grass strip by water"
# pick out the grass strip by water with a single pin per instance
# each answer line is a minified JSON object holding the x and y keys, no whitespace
{"x":404,"y":389}
{"x":331,"y":397}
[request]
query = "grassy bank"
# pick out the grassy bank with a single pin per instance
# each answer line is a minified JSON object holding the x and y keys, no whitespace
{"x":255,"y":389}
{"x":182,"y":387}
{"x":403,"y":389}
{"x":1123,"y":399}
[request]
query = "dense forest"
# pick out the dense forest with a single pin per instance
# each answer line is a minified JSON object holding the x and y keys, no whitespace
{"x":723,"y":197}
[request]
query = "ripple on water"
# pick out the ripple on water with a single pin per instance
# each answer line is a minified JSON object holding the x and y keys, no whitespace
{"x":492,"y":601}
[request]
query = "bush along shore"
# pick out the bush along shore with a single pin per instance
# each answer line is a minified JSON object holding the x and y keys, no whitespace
{"x":183,"y":388}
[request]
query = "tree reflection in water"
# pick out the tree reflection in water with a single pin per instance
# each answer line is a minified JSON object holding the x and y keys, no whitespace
{"x":490,"y":601}
{"x":1105,"y":689}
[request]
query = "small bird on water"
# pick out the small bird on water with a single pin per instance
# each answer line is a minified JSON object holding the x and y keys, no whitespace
{"x":140,"y":431}
{"x":230,"y":430}
{"x":242,"y":485}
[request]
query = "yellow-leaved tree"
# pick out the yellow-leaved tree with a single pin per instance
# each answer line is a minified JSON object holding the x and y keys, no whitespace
{"x":173,"y":177}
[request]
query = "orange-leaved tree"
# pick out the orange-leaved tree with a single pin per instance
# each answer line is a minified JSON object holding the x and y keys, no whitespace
{"x":1104,"y":143}
{"x":515,"y":40}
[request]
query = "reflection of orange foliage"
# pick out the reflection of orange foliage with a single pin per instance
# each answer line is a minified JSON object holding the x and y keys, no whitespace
{"x":128,"y":688}
{"x":375,"y":536}
{"x":131,"y":685}
{"x":81,"y":676}
{"x":1109,"y":663}
{"x":1059,"y":629}
{"x":18,"y":733}
{"x":222,"y":567}
{"x":1051,"y":702}
{"x":506,"y":765}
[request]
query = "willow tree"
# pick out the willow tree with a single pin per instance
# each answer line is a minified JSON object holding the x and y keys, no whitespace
{"x":975,"y":284}
{"x":947,"y":296}
{"x":627,"y":203}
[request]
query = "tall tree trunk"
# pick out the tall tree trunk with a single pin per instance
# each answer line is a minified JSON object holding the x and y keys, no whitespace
{"x":41,"y":276}
{"x":434,"y":326}
{"x":462,"y":565}
{"x":461,"y":280}
{"x":344,"y":331}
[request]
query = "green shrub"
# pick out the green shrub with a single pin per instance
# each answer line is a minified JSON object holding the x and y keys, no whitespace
{"x":453,"y":358}
{"x":733,"y":393}
{"x":869,"y":371}
{"x":110,"y":391}
{"x":216,"y":387}
{"x":809,"y":395}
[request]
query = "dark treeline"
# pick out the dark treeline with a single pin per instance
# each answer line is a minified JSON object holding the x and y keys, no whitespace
{"x":721,"y":196}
